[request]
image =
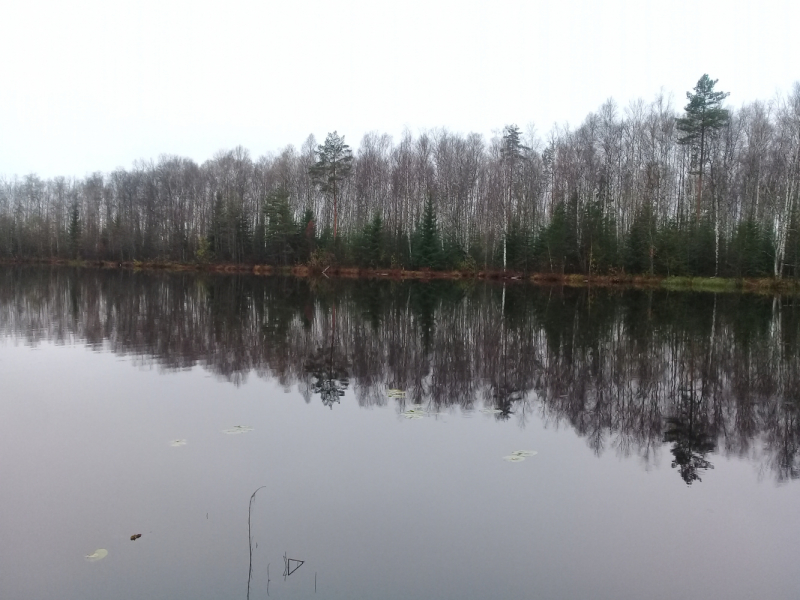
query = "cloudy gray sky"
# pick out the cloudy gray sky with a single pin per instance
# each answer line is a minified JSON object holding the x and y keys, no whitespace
{"x":94,"y":85}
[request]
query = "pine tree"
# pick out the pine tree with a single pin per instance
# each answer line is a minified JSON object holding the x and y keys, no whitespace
{"x":333,"y":166}
{"x":704,"y":116}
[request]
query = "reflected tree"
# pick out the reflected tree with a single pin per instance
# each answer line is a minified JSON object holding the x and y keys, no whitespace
{"x":691,"y":440}
{"x":328,"y":370}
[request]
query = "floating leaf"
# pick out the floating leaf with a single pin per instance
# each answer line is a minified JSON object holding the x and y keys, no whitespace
{"x":98,"y":554}
{"x":412,"y":414}
{"x":524,"y":453}
{"x":176,"y":443}
{"x":491,"y":411}
{"x":237,"y":429}
{"x":396,"y":393}
{"x":136,"y":536}
{"x":514,"y":458}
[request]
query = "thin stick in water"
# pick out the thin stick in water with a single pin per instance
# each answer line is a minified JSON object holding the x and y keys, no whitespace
{"x":250,"y":539}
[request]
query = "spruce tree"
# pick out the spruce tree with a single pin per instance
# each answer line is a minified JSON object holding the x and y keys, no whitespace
{"x":513,"y":152}
{"x":74,"y":231}
{"x":280,"y":227}
{"x":428,"y":253}
{"x":375,"y":241}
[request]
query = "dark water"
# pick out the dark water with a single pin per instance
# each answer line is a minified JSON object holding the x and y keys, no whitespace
{"x":666,"y":426}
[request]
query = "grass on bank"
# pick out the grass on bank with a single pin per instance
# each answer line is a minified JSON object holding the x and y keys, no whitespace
{"x":701,"y":284}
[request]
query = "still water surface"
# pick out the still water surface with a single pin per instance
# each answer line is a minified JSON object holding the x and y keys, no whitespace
{"x":666,"y":428}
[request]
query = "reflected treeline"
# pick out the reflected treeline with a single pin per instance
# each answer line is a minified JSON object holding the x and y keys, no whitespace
{"x":629,"y":370}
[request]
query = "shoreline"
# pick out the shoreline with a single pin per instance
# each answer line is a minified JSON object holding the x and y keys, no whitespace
{"x":680,"y":283}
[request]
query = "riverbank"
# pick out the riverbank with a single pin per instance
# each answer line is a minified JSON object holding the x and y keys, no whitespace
{"x":705,"y":284}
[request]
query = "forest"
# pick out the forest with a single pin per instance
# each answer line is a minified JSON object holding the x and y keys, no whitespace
{"x":706,"y":190}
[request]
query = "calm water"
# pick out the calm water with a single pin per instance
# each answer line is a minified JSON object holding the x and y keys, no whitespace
{"x":666,"y":426}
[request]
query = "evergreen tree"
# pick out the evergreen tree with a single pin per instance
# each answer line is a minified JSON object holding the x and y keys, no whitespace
{"x":74,"y":231}
{"x":513,"y":152}
{"x":280,"y":228}
{"x":243,"y":237}
{"x":428,"y":247}
{"x":452,"y":254}
{"x":640,"y":245}
{"x":333,"y":166}
{"x":369,"y":244}
{"x":701,"y":254}
{"x":671,"y":247}
{"x":375,"y":241}
{"x":306,"y":234}
{"x":704,"y":116}
{"x":216,"y":236}
{"x":598,"y":248}
{"x":751,"y":250}
{"x":552,"y":243}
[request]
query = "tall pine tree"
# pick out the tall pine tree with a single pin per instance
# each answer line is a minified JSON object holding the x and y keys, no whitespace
{"x":704,"y":116}
{"x":333,"y":166}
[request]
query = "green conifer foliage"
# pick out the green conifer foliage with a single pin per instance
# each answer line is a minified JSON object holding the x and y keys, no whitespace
{"x":281,"y":239}
{"x":704,"y":116}
{"x":334,"y":165}
{"x":75,"y":231}
{"x":640,"y":246}
{"x":429,"y":247}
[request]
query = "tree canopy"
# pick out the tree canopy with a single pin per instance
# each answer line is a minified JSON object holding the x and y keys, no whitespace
{"x":704,"y":116}
{"x":333,"y":166}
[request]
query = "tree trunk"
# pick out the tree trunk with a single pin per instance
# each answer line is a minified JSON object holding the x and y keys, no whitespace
{"x":782,"y":224}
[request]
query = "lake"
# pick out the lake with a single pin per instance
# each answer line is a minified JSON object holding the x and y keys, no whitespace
{"x":291,"y":438}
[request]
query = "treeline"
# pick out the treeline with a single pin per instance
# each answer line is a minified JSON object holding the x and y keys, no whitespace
{"x":645,"y":189}
{"x":637,"y":373}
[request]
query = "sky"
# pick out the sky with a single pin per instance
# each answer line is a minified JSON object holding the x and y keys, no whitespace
{"x":95,"y":85}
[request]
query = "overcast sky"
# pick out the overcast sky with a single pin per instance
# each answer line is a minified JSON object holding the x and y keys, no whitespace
{"x":97,"y":84}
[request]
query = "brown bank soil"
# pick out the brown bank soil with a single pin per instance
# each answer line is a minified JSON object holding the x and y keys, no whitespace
{"x":710,"y":284}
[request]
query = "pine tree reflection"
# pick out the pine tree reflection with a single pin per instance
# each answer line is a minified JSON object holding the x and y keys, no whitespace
{"x":328,"y":370}
{"x":688,"y":432}
{"x":504,"y":364}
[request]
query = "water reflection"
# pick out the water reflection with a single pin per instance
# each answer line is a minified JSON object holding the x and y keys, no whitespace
{"x":691,"y":439}
{"x":628,"y":371}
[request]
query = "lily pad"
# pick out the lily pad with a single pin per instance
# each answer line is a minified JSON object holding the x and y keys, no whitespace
{"x":176,"y":443}
{"x":524,"y":453}
{"x":237,"y":429}
{"x":98,"y":554}
{"x":514,"y":458}
{"x":412,"y":414}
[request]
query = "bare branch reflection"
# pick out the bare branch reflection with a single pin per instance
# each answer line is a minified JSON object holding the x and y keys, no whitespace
{"x":638,"y":373}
